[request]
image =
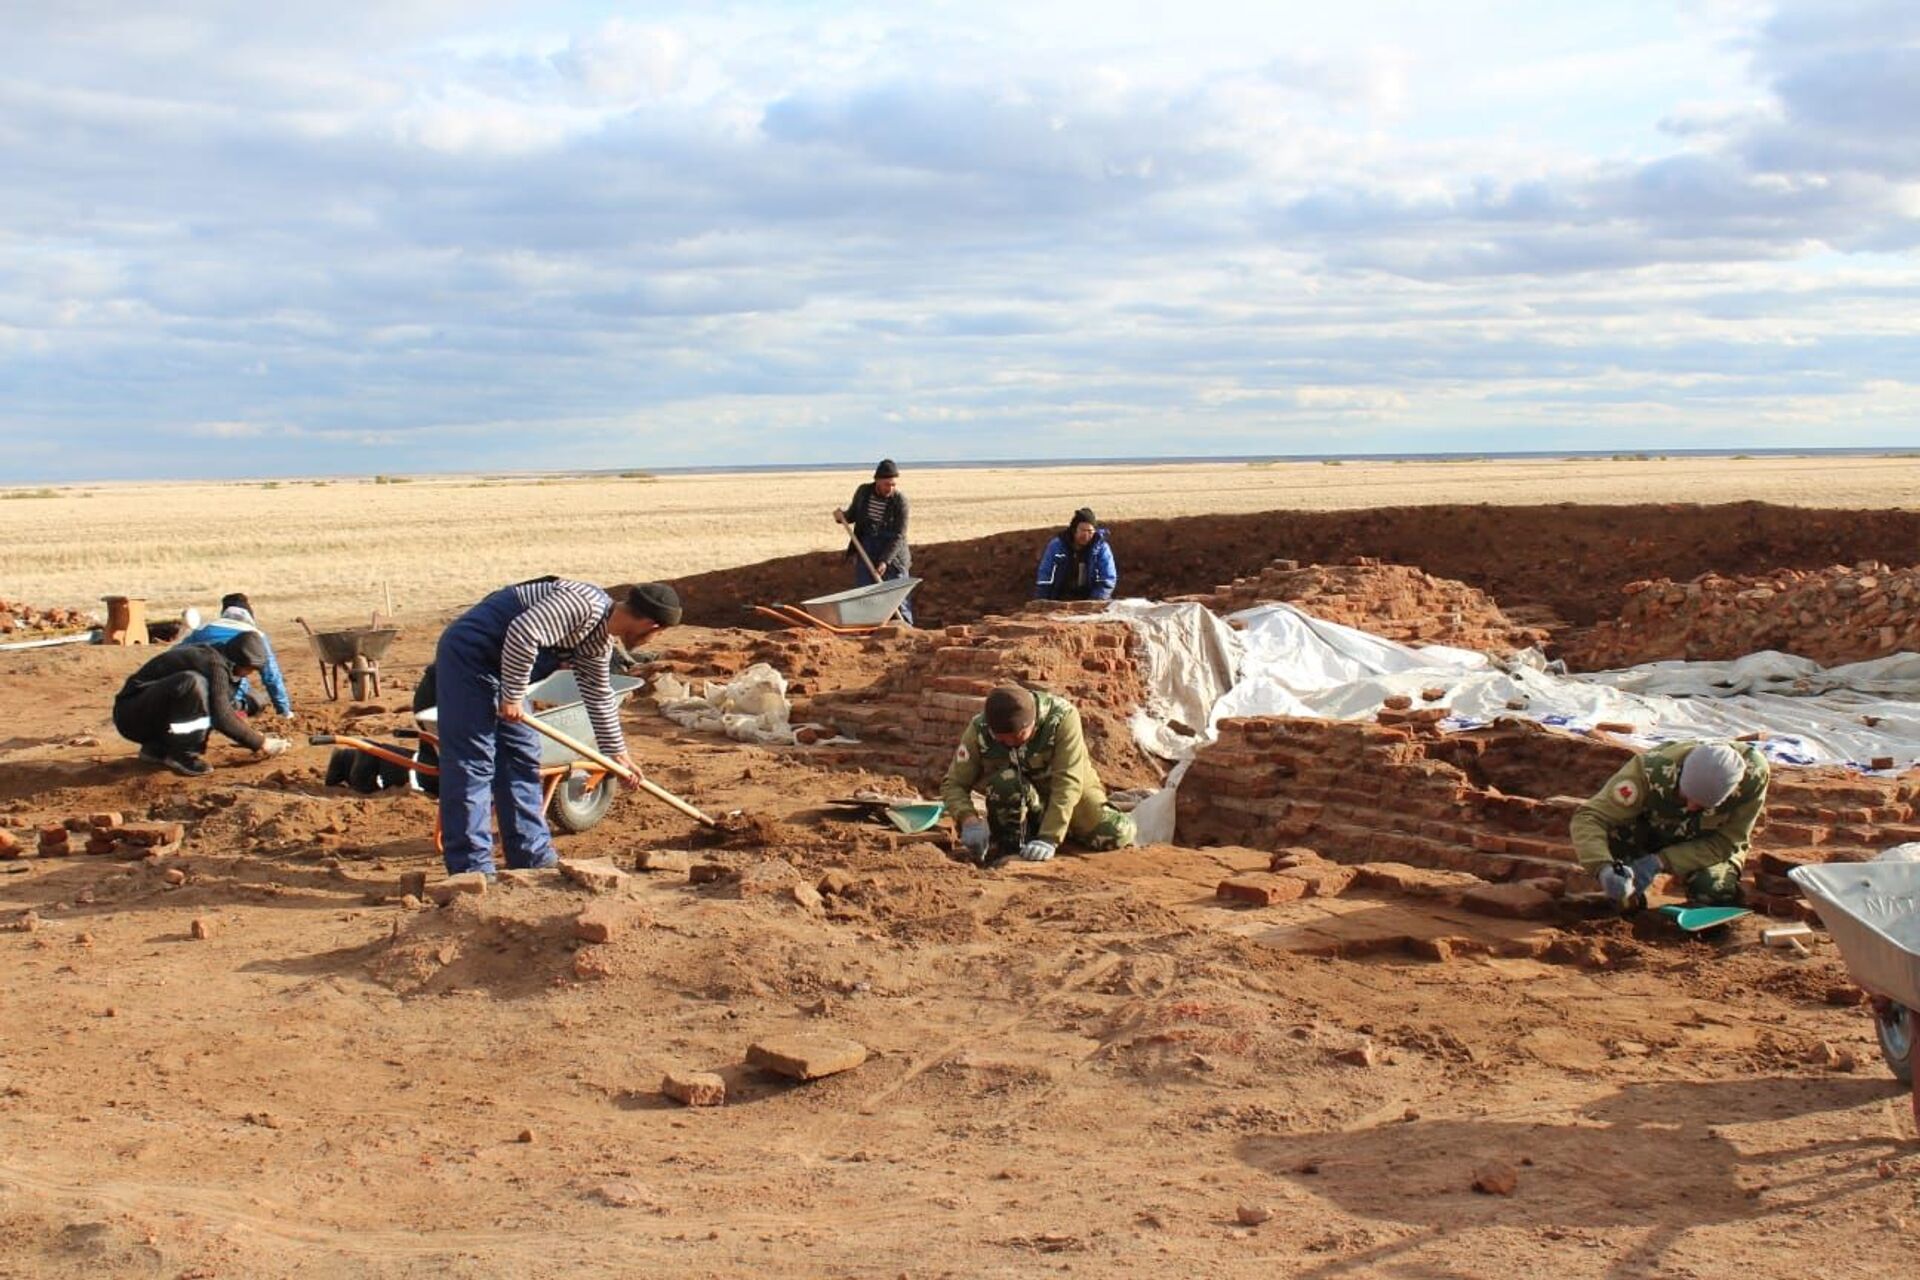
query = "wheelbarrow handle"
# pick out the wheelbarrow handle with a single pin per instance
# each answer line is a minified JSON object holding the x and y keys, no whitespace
{"x":321,"y":739}
{"x":582,"y":750}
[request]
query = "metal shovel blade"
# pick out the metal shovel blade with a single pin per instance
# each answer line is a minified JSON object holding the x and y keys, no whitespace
{"x":915,"y":818}
{"x":1694,"y":919}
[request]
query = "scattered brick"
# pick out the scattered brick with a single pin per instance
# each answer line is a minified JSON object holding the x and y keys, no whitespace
{"x":1397,"y":702}
{"x":1496,"y":1178}
{"x":413,"y":883}
{"x":695,"y":1088}
{"x":467,"y":883}
{"x":1360,"y":1055}
{"x":152,"y":833}
{"x":202,"y":928}
{"x":708,"y":872}
{"x":663,"y":860}
{"x":1323,"y":879}
{"x":597,"y":875}
{"x":1261,"y":889}
{"x":9,"y":846}
{"x":603,"y":921}
{"x":105,"y":821}
{"x":803,"y":1057}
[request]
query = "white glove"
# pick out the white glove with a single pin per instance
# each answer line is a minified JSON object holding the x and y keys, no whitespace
{"x":973,"y":836}
{"x":1645,"y":868}
{"x":272,"y":747}
{"x":1616,"y":883}
{"x":1037,"y":850}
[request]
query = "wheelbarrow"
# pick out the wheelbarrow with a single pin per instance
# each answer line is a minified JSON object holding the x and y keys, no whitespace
{"x":576,"y":791}
{"x":1872,"y":909}
{"x":356,"y":651}
{"x":846,"y":613}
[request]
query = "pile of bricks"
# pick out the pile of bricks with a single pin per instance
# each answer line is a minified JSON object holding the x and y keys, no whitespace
{"x":99,"y":834}
{"x":1832,"y":615}
{"x":1392,"y":600}
{"x":20,"y":618}
{"x":1371,"y":792}
{"x":910,"y":719}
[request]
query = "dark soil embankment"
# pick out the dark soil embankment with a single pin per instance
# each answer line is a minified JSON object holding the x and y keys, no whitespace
{"x":1571,"y":559}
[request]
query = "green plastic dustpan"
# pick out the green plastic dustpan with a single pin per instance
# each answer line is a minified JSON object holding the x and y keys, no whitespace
{"x":1694,"y":919}
{"x":914,"y":818}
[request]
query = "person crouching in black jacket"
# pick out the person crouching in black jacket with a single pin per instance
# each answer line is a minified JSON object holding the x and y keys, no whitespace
{"x":169,"y":705}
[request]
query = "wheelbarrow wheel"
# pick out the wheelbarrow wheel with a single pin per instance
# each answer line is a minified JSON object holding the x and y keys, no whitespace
{"x":360,"y":679}
{"x":1895,"y":1024}
{"x":577,"y":808}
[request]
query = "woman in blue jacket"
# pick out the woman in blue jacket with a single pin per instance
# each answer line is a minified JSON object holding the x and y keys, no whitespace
{"x":1078,"y":563}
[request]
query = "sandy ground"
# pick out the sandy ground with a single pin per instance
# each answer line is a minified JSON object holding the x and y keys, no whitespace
{"x":1088,"y":1067}
{"x":336,"y":550}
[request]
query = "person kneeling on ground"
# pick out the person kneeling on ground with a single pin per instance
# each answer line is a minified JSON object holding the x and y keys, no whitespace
{"x":1688,"y":808}
{"x":1078,"y":563}
{"x":1025,"y":751}
{"x":489,"y":758}
{"x":236,"y":616}
{"x":169,"y":705}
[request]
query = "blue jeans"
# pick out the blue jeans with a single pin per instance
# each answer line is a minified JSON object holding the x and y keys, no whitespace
{"x":486,"y":764}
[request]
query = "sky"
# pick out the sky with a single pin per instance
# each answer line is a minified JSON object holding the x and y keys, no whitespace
{"x":450,"y":235}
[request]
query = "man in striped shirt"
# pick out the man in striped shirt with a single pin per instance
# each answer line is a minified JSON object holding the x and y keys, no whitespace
{"x":489,"y":758}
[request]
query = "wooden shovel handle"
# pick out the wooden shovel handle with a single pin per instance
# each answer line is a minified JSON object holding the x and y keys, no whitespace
{"x":613,"y":767}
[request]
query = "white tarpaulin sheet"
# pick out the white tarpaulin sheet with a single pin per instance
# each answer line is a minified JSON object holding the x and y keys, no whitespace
{"x":1292,"y":664}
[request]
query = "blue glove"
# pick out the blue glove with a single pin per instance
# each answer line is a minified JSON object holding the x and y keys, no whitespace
{"x":973,"y":836}
{"x":1616,"y":882}
{"x":1645,"y":868}
{"x":1037,"y":850}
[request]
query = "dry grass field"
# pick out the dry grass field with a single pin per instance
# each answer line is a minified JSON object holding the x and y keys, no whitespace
{"x":332,"y":549}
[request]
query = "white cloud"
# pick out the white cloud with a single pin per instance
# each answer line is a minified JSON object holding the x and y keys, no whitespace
{"x":973,"y":229}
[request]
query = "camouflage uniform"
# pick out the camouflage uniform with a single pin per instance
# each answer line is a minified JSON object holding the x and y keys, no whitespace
{"x":1045,"y":789}
{"x":1641,"y":811}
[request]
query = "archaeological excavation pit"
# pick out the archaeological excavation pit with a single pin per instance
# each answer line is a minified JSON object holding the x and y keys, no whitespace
{"x":1414,"y":782}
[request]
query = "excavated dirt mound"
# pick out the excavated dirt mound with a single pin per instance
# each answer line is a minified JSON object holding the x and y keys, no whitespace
{"x":1392,"y":600}
{"x":1572,"y":560}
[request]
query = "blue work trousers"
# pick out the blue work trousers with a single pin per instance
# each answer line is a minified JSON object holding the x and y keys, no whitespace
{"x":487,"y":763}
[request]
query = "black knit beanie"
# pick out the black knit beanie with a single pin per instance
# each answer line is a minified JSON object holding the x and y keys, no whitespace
{"x":246,"y":650}
{"x":655,"y":600}
{"x":1010,"y":709}
{"x":886,"y":470}
{"x":1083,"y":516}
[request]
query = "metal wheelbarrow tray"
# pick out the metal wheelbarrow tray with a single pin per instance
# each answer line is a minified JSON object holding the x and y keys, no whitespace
{"x":858,"y":609}
{"x":1872,"y":909}
{"x":356,"y":650}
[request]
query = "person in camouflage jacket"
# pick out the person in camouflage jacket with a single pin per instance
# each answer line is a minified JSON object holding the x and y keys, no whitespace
{"x":1026,"y":753}
{"x":1688,"y":808}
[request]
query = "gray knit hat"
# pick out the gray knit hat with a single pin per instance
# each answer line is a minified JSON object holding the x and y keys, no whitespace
{"x":655,"y":600}
{"x":1710,"y":773}
{"x":1010,"y":709}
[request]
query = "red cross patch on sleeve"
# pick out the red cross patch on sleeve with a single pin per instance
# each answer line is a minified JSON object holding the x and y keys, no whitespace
{"x":1626,"y":793}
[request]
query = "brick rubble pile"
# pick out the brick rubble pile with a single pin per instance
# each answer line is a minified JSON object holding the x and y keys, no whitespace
{"x":1832,"y":616}
{"x":1392,"y":600}
{"x":19,"y":620}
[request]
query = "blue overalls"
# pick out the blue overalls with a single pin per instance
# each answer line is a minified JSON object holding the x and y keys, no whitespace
{"x":487,"y":763}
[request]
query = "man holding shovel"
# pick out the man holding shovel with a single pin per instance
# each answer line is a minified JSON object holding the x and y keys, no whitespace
{"x":877,"y":519}
{"x":489,"y":756}
{"x":1025,"y":751}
